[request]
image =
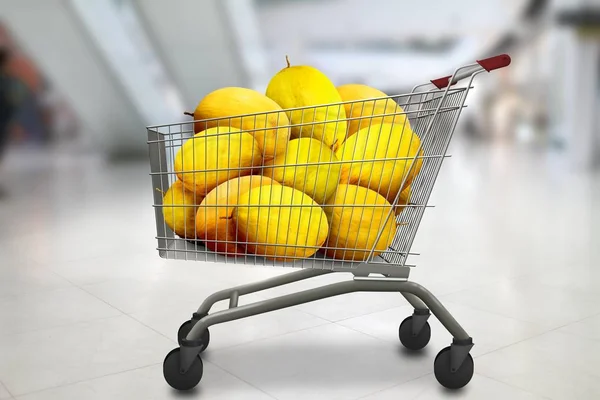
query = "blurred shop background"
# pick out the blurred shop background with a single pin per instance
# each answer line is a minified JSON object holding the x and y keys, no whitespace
{"x":92,"y":75}
{"x":82,"y":79}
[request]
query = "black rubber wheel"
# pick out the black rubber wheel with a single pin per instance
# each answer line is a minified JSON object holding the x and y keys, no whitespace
{"x":173,"y":375}
{"x":186,"y":327}
{"x":414,"y":342}
{"x":444,"y":374}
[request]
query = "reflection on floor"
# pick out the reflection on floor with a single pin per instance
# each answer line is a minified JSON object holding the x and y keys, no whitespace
{"x":88,"y":310}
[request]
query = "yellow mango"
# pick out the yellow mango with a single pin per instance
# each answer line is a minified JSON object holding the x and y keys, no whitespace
{"x":362,"y":112}
{"x":214,"y":224}
{"x":356,"y":215}
{"x":214,"y":156}
{"x":302,"y":86}
{"x":179,"y":210}
{"x":307,"y":165}
{"x":267,"y":123}
{"x":280,"y":222}
{"x":380,"y":157}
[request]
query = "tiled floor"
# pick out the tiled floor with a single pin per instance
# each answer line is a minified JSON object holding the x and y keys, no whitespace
{"x":88,"y":310}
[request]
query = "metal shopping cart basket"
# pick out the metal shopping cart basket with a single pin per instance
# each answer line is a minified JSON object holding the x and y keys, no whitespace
{"x":270,"y":219}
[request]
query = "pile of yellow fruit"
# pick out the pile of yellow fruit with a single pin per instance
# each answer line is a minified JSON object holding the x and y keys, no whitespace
{"x":302,"y":168}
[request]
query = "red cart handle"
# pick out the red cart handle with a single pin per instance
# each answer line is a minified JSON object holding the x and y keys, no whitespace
{"x":488,"y":64}
{"x":496,"y":62}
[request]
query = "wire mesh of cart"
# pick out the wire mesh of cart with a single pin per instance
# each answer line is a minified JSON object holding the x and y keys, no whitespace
{"x":336,"y":187}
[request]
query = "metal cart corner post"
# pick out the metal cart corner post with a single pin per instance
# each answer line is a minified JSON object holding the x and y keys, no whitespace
{"x":438,"y":110}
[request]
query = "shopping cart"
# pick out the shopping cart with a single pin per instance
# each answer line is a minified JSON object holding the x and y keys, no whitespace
{"x":430,"y":112}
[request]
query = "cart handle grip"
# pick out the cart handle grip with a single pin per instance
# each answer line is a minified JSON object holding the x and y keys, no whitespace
{"x":488,"y":64}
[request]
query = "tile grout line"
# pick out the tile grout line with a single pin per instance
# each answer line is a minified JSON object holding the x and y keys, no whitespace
{"x":270,"y":337}
{"x":395,"y":385}
{"x":514,"y":386}
{"x":123,"y":313}
{"x":541,"y":334}
{"x":87,"y":380}
{"x":10,"y":395}
{"x":58,"y":326}
{"x":240,"y":378}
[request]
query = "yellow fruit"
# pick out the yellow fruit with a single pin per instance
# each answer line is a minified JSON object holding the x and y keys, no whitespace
{"x":301,"y":86}
{"x":280,"y":222}
{"x":214,"y":156}
{"x":314,"y":176}
{"x":365,"y":111}
{"x":403,"y":200}
{"x":214,"y":225}
{"x":356,"y":215}
{"x":394,"y":142}
{"x":269,"y":125}
{"x":179,"y":210}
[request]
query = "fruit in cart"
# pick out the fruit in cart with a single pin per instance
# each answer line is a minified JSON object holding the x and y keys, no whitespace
{"x":214,"y":225}
{"x":306,"y":86}
{"x":356,"y":215}
{"x":307,"y":165}
{"x":268,"y":123}
{"x":214,"y":156}
{"x":179,"y":210}
{"x":380,"y":157}
{"x":362,"y":112}
{"x":280,"y":222}
{"x":403,"y":200}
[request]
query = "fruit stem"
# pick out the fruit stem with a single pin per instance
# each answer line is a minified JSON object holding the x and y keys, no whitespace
{"x":160,"y":191}
{"x":188,"y":113}
{"x":287,"y":60}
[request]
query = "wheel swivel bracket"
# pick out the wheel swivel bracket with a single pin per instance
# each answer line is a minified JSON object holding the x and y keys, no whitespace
{"x":419,"y":318}
{"x":188,"y":355}
{"x":459,"y":350}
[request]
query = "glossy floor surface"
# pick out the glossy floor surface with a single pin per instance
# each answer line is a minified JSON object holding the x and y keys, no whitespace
{"x":88,"y":310}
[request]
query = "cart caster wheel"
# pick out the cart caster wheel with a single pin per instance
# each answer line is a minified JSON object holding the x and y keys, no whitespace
{"x":446,"y":377}
{"x":410,"y":341}
{"x":173,"y":375}
{"x":185,"y":328}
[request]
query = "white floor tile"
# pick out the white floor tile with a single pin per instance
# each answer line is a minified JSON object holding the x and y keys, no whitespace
{"x":230,"y":274}
{"x":109,"y":267}
{"x":53,"y":357}
{"x":489,"y":250}
{"x":339,"y":307}
{"x":489,"y":331}
{"x":556,"y":365}
{"x":26,"y":277}
{"x":154,"y":292}
{"x":326,"y":362}
{"x":587,"y":328}
{"x":167,"y":322}
{"x":428,"y":388}
{"x":148,"y":384}
{"x":525,"y":300}
{"x":441,"y":278}
{"x":582,"y":280}
{"x":352,"y":305}
{"x":41,"y":310}
{"x":4,"y":394}
{"x":15,"y":251}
